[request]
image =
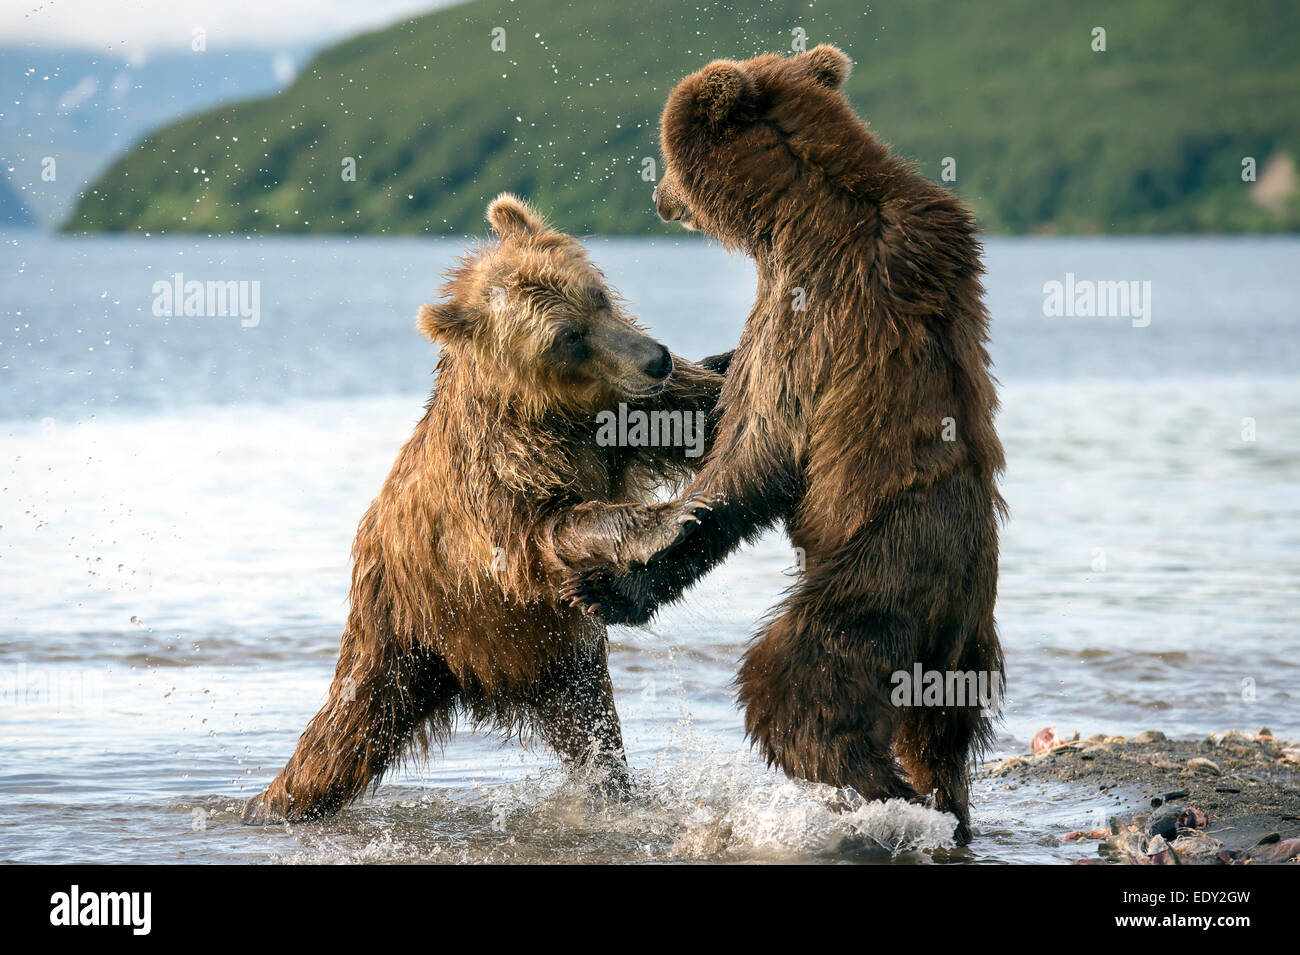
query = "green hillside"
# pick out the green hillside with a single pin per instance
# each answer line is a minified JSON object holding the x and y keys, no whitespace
{"x":1048,"y":135}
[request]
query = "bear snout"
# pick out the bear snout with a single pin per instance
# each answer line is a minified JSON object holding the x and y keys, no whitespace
{"x":660,"y":366}
{"x":668,"y":208}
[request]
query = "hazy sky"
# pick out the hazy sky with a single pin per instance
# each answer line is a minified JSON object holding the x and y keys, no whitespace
{"x":138,"y":27}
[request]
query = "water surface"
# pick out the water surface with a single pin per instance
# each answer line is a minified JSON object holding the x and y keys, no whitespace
{"x":178,"y":497}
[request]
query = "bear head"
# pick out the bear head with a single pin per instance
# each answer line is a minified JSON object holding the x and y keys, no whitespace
{"x":758,"y":146}
{"x":540,"y":321}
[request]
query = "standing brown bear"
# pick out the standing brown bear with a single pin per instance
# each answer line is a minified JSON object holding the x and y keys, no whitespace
{"x":504,"y":489}
{"x":858,"y":409}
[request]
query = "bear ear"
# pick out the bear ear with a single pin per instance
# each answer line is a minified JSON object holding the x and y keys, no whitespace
{"x":444,"y":323}
{"x":826,"y":65}
{"x":510,"y":215}
{"x":724,"y":92}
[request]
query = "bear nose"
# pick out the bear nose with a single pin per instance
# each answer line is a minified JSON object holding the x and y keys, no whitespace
{"x":660,"y":366}
{"x":667,"y":210}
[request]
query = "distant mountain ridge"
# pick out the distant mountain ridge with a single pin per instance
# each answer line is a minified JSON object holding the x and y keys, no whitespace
{"x":1043,"y":132}
{"x":83,"y":109}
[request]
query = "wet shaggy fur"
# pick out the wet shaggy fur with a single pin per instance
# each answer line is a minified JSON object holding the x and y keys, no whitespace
{"x":858,"y":410}
{"x":500,"y":493}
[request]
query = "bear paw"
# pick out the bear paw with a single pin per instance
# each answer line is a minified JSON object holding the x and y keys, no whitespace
{"x":613,"y":785}
{"x":628,"y":593}
{"x":615,"y":598}
{"x":962,"y":834}
{"x":668,"y":525}
{"x":261,"y":811}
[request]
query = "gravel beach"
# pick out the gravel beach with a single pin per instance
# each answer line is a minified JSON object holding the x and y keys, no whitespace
{"x":1230,"y":798}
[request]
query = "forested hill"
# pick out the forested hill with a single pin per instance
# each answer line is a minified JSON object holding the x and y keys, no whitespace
{"x":1044,"y":133}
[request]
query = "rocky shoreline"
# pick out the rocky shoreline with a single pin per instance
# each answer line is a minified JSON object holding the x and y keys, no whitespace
{"x":1229,"y":799}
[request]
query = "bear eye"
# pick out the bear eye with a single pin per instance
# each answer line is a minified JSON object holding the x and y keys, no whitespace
{"x":569,"y":340}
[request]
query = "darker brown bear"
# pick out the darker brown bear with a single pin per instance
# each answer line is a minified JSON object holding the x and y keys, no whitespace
{"x":504,"y":489}
{"x":858,"y":410}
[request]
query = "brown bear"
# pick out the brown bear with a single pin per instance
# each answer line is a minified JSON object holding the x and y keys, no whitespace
{"x":504,"y":489}
{"x":858,"y":409}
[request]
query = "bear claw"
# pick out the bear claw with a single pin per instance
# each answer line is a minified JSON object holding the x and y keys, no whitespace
{"x":694,"y":508}
{"x":597,"y":593}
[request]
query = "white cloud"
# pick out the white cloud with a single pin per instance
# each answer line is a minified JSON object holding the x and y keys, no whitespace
{"x":78,"y":94}
{"x":134,"y":28}
{"x":283,"y":69}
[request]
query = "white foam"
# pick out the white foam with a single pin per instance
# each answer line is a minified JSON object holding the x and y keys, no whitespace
{"x":746,"y":811}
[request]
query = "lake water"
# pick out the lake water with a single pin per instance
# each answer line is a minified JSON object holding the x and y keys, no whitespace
{"x":178,"y":497}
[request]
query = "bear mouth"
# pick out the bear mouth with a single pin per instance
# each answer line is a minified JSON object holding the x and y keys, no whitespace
{"x":650,"y":392}
{"x":685,"y":218}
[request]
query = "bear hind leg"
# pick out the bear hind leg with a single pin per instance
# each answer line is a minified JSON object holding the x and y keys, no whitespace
{"x":573,"y":712}
{"x":815,"y":689}
{"x":935,"y":746}
{"x":379,"y":702}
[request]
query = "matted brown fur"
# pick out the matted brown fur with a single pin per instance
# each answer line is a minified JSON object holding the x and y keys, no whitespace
{"x":501,"y":491}
{"x":863,"y":421}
